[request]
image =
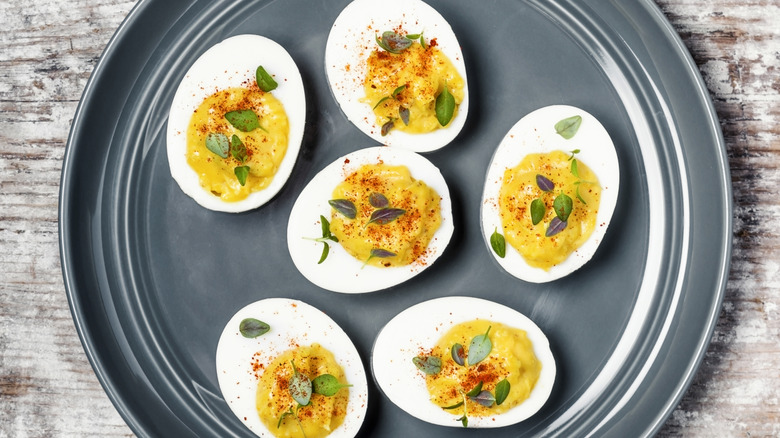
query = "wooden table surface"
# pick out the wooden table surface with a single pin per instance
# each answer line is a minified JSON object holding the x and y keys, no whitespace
{"x":48,"y":49}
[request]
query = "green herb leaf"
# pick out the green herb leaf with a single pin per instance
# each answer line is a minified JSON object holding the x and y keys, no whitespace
{"x":567,"y":127}
{"x":445,"y":106}
{"x":218,"y":143}
{"x":577,"y":192}
{"x":384,"y":216}
{"x":387,"y":127}
{"x":485,"y":398}
{"x":325,"y":252}
{"x":237,"y":149}
{"x":244,"y":120}
{"x":300,"y":387}
{"x":413,"y":36}
{"x":264,"y":80}
{"x":573,"y":153}
{"x":380,"y":253}
{"x":574,"y":170}
{"x":427,"y":364}
{"x":464,"y":420}
{"x":544,"y":183}
{"x":252,"y":328}
{"x":380,"y":101}
{"x":476,"y":390}
{"x":398,"y":91}
{"x":555,"y":227}
{"x":479,"y":348}
{"x":498,"y":243}
{"x":378,"y":200}
{"x":284,"y":415}
{"x":502,"y":391}
{"x":562,"y":206}
{"x":458,"y":354}
{"x":325,"y":226}
{"x":537,"y":210}
{"x":456,"y":405}
{"x":327,"y":385}
{"x":422,"y":41}
{"x":241,"y":173}
{"x":403,"y":112}
{"x":393,"y":42}
{"x":345,"y":207}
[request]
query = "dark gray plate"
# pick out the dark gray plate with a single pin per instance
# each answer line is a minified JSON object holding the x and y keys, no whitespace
{"x":152,"y":277}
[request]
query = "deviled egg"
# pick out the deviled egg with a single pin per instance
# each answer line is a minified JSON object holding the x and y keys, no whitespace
{"x":370,"y":220}
{"x":462,"y":361}
{"x":236,"y":123}
{"x":398,"y":73}
{"x":277,"y":354}
{"x":550,"y":192}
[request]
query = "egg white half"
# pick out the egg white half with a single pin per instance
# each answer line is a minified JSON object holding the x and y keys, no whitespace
{"x":535,"y":133}
{"x":352,"y":39}
{"x":341,"y":272}
{"x":225,"y":65}
{"x":420,"y":327}
{"x":292,"y":322}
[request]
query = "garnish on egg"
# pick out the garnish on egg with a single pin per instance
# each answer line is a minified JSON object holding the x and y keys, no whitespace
{"x":550,"y":206}
{"x":389,"y":223}
{"x":479,"y":350}
{"x":411,"y":90}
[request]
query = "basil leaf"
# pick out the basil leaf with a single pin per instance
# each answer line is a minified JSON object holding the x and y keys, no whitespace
{"x":476,"y":390}
{"x":485,"y":398}
{"x":544,"y":183}
{"x":458,"y":354}
{"x":381,"y":253}
{"x":562,"y":206}
{"x":566,"y":128}
{"x":537,"y":210}
{"x":385,"y":215}
{"x":555,"y":227}
{"x":325,"y":226}
{"x":502,"y":391}
{"x":464,"y":420}
{"x":456,"y":405}
{"x":242,"y":172}
{"x":244,"y":120}
{"x":578,"y":193}
{"x":387,"y":127}
{"x":325,"y":251}
{"x":574,"y":170}
{"x":252,"y":328}
{"x":238,"y":149}
{"x":264,"y":80}
{"x":413,"y":36}
{"x":398,"y":91}
{"x":327,"y":385}
{"x":404,"y":113}
{"x":300,"y":387}
{"x":445,"y":106}
{"x":393,"y":42}
{"x":422,"y":41}
{"x":283,"y":416}
{"x":218,"y":143}
{"x":378,"y":200}
{"x":479,"y":348}
{"x":380,"y":101}
{"x":427,"y":364}
{"x":344,"y":206}
{"x":498,"y":243}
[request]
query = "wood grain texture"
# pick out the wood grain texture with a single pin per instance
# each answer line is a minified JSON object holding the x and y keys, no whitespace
{"x":47,"y":51}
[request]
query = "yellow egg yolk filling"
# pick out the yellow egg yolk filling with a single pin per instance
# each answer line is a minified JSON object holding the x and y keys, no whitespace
{"x":265,"y":146}
{"x":423,"y":72}
{"x":322,"y":415}
{"x":519,"y":189}
{"x":511,"y":357}
{"x":407,"y":236}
